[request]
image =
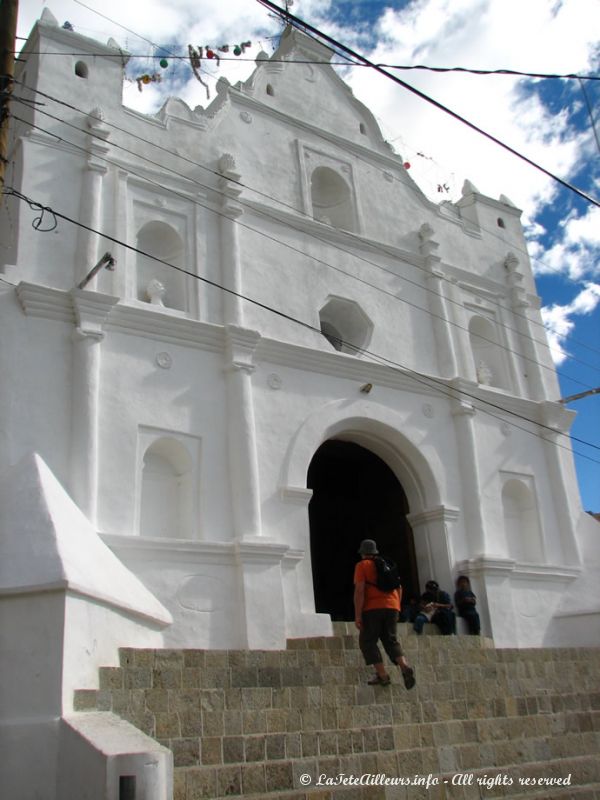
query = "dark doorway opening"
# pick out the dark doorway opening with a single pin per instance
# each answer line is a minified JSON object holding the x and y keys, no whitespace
{"x":355,"y":496}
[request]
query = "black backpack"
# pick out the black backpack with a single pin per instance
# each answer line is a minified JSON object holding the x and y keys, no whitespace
{"x":388,"y":578}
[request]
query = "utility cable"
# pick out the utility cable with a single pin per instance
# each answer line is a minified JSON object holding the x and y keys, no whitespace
{"x":418,"y":377}
{"x":534,"y":322}
{"x":341,"y":249}
{"x":285,"y":244}
{"x":407,"y":67}
{"x":315,"y":34}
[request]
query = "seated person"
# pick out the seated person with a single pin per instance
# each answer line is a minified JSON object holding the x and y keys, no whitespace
{"x":410,"y":609}
{"x":465,"y":604}
{"x":436,"y":607}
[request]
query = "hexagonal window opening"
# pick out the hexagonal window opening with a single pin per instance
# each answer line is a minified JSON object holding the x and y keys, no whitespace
{"x":345,"y":325}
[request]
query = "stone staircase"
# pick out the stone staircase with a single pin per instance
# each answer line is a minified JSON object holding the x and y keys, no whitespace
{"x":480,"y":723}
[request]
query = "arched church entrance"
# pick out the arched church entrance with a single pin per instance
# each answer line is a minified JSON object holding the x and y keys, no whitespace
{"x":355,"y":496}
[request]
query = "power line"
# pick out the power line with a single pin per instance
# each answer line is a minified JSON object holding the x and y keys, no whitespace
{"x":428,"y":381}
{"x":407,"y":67}
{"x":291,"y":247}
{"x":315,"y":33}
{"x":493,"y":233}
{"x":324,"y":263}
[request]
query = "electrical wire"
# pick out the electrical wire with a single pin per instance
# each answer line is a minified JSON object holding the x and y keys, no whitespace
{"x":327,"y":264}
{"x":534,"y":322}
{"x":287,"y":245}
{"x":314,"y":33}
{"x":407,"y":67}
{"x":349,"y":62}
{"x":419,"y":377}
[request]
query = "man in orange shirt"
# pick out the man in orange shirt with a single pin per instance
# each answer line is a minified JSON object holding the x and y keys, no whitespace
{"x":376,"y":617}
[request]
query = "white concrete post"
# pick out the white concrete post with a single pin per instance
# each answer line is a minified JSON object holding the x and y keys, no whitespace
{"x":243,"y":456}
{"x":433,"y":544}
{"x":520,"y":306}
{"x":91,"y":311}
{"x":559,"y":419}
{"x":90,"y":207}
{"x":438,"y":305}
{"x":230,"y":248}
{"x":463,"y":413}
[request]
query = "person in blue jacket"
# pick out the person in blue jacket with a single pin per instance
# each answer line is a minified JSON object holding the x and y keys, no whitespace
{"x":436,"y":606}
{"x":465,"y":604}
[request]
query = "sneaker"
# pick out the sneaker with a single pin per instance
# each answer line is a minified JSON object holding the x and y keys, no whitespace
{"x":377,"y":681}
{"x":408,"y":676}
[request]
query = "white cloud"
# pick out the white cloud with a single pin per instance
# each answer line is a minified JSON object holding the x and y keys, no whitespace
{"x":483,"y":34}
{"x":559,"y":323}
{"x":576,"y":250}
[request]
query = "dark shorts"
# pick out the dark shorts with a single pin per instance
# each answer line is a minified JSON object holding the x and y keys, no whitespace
{"x":379,"y":624}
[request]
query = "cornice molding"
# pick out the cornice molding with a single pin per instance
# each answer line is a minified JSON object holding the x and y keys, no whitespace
{"x":42,"y":301}
{"x":479,"y":397}
{"x":335,"y":236}
{"x":296,"y":495}
{"x":92,"y":310}
{"x":342,"y":365}
{"x":506,"y":567}
{"x":260,"y":551}
{"x":55,"y":304}
{"x":438,"y":514}
{"x":159,"y":550}
{"x":163,"y":327}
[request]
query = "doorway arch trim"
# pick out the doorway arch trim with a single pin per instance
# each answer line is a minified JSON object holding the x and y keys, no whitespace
{"x":376,"y":428}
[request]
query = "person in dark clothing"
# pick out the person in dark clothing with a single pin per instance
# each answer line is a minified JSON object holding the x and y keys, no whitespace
{"x":465,"y":604}
{"x":410,"y":609}
{"x":436,"y":606}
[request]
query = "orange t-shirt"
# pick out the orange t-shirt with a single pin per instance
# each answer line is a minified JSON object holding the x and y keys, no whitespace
{"x":366,"y":572}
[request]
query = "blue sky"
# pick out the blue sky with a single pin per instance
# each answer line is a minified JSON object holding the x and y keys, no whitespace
{"x":546,"y":120}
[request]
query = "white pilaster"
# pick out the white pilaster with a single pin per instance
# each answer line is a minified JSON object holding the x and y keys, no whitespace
{"x":91,"y":311}
{"x":433,"y":544}
{"x":90,"y":207}
{"x":243,"y":458}
{"x":520,"y":307}
{"x":230,"y":247}
{"x":558,"y":419}
{"x":463,"y":413}
{"x":438,"y":305}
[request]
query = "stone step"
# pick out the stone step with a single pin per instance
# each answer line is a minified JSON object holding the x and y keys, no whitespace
{"x":245,"y":722}
{"x":386,"y":776}
{"x":441,"y":745}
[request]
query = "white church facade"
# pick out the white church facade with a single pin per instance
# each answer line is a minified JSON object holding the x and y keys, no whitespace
{"x":295,"y":350}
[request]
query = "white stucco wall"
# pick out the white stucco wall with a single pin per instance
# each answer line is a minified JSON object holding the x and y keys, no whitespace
{"x":245,"y":395}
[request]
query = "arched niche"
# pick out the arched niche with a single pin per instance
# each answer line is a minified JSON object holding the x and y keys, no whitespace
{"x":331,"y":199}
{"x":160,"y":241}
{"x":166,"y":501}
{"x":521,"y":522}
{"x":488,"y":355}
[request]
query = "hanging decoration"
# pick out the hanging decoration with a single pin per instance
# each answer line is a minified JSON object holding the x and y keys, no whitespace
{"x":196,"y":63}
{"x":196,"y":54}
{"x":406,"y":165}
{"x":145,"y":79}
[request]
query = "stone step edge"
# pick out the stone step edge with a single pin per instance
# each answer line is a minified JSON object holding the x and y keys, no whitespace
{"x":557,"y":768}
{"x":556,"y":793}
{"x":382,"y":733}
{"x":312,"y":765}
